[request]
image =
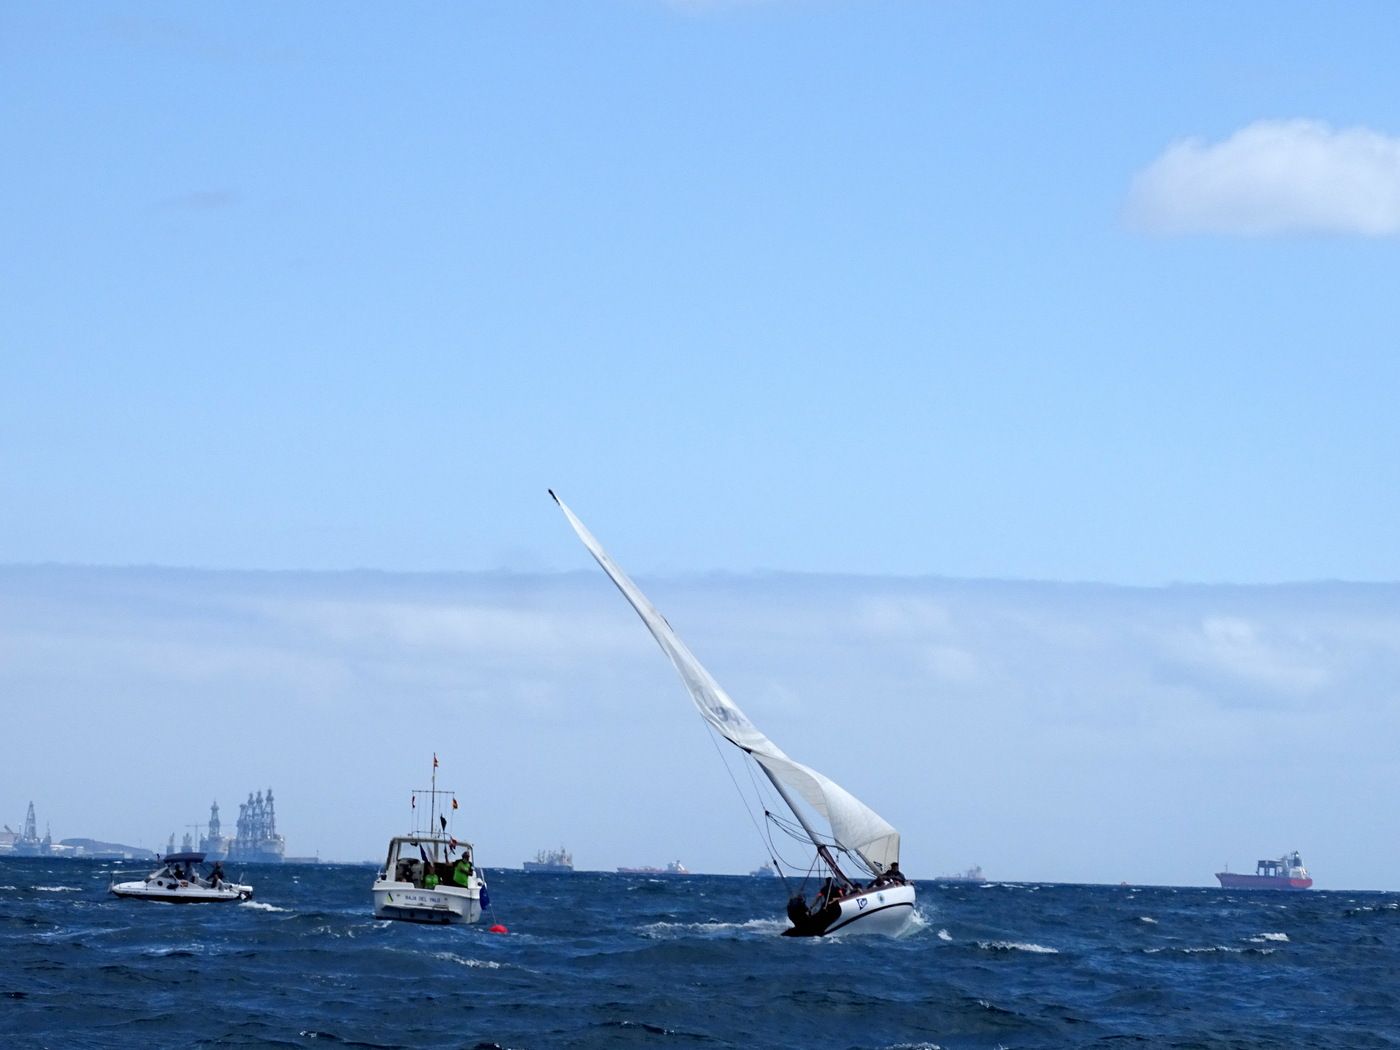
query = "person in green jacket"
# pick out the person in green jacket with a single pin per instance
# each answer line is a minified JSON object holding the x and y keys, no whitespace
{"x":462,"y":871}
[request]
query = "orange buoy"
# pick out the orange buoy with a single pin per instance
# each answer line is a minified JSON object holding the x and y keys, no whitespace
{"x":498,"y":928}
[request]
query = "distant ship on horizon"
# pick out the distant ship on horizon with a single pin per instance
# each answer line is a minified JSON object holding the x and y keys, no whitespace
{"x":674,"y":868}
{"x":551,"y":860}
{"x":1285,"y":873}
{"x":972,"y":874}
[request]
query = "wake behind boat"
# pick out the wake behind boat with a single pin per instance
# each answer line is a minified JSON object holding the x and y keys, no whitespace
{"x":860,"y":844}
{"x":179,"y":880}
{"x":428,"y":876}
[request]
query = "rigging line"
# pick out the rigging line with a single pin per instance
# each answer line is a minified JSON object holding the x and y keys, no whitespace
{"x":738,"y":790}
{"x":764,"y":792}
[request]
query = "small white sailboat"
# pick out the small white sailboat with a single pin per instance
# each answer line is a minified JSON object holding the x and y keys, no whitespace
{"x":179,"y":880}
{"x":428,"y":875}
{"x":860,"y":845}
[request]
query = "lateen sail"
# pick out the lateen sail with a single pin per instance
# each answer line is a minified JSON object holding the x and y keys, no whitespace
{"x":854,"y":825}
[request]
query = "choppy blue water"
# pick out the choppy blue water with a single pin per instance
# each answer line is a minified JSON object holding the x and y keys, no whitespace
{"x":596,"y":960}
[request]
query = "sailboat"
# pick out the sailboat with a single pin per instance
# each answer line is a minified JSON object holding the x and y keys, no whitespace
{"x":863,"y":890}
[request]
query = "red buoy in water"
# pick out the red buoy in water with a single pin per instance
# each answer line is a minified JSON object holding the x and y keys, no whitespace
{"x":498,"y":928}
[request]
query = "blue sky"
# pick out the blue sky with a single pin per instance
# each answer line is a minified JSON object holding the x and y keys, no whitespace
{"x":954,"y":291}
{"x":807,"y":286}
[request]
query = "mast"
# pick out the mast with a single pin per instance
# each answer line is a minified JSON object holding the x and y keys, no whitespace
{"x":856,"y":829}
{"x":432,"y":804}
{"x":820,"y":846}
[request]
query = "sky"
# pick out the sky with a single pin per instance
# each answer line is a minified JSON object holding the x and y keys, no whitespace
{"x":921,"y":294}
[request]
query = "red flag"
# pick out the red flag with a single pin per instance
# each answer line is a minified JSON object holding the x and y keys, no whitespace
{"x":454,"y":803}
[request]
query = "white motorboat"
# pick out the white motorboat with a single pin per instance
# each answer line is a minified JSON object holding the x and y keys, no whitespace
{"x":863,"y":890}
{"x":429,"y":876}
{"x":179,"y":880}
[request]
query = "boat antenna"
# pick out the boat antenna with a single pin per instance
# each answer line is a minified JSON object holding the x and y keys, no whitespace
{"x":432,"y":806}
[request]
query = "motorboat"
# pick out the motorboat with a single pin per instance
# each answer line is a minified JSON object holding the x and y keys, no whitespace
{"x":428,"y":875}
{"x":856,"y":851}
{"x":180,"y":880}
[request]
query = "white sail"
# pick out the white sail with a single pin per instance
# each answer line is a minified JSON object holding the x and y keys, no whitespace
{"x":854,"y":825}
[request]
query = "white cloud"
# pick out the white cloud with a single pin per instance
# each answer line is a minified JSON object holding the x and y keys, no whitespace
{"x":1274,"y":176}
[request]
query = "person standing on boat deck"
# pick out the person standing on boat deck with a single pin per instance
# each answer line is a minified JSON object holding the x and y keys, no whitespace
{"x":216,"y":876}
{"x":462,"y":871}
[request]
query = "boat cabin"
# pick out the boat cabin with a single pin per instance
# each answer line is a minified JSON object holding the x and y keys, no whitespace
{"x":180,"y":866}
{"x":427,"y":861}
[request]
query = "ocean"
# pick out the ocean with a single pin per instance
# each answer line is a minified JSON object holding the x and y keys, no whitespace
{"x":605,"y":960}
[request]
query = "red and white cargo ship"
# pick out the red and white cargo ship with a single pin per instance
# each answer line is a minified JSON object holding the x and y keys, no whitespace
{"x":1285,"y":873}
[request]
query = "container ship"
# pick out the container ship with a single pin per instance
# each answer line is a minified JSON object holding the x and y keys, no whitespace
{"x":551,"y":860}
{"x":1285,"y":873}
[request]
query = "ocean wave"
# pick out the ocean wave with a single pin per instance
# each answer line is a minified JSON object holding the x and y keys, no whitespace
{"x":1225,"y":949}
{"x":1263,"y":937}
{"x":1017,"y":946}
{"x":1147,"y":919}
{"x":261,"y":906}
{"x":58,"y":889}
{"x":944,"y":935}
{"x":668,"y":930}
{"x":461,"y":960}
{"x":918,"y":922}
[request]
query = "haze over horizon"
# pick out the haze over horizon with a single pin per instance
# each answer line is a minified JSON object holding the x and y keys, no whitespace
{"x":1053,"y":732}
{"x":1010,"y":380}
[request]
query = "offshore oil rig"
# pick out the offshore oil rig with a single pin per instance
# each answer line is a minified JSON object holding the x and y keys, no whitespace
{"x":28,"y":843}
{"x":255,"y":840}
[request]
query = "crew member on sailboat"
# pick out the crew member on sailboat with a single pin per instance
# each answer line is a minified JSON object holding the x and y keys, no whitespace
{"x":863,"y":839}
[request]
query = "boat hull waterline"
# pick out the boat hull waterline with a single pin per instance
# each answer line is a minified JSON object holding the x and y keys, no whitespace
{"x":183,"y":894}
{"x":886,"y":911}
{"x":407,"y":903}
{"x":1231,"y":881}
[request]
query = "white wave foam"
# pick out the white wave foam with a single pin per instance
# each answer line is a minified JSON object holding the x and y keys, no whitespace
{"x":58,"y":889}
{"x":944,"y":935}
{"x":460,"y":960}
{"x":1264,"y":937}
{"x":9,"y":887}
{"x":261,"y":906}
{"x":1017,"y":946}
{"x":1147,"y":919}
{"x":1225,"y":948}
{"x":918,"y":923}
{"x":666,"y":930}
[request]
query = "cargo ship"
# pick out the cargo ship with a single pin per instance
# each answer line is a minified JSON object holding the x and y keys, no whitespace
{"x":1285,"y":873}
{"x":972,"y":874}
{"x":551,"y":860}
{"x":674,"y":868}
